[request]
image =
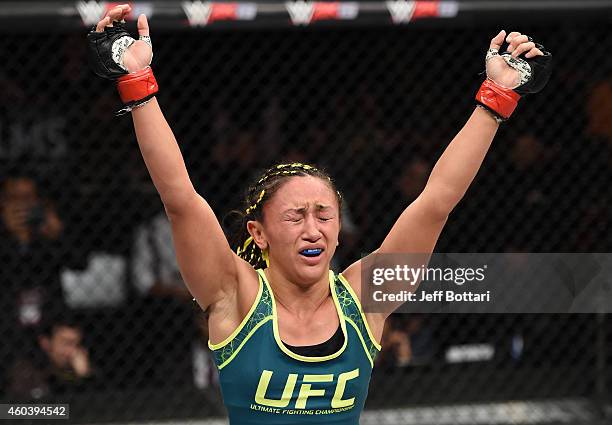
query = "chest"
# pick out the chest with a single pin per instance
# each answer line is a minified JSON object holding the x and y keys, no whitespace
{"x":266,"y":378}
{"x":310,"y":330}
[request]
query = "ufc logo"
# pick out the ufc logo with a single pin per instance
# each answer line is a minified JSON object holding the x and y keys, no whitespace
{"x":306,"y":389}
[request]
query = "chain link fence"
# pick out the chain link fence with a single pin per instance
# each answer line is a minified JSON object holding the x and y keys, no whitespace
{"x":93,"y":309}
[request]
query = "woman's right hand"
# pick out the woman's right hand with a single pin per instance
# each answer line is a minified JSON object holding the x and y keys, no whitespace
{"x":138,"y":56}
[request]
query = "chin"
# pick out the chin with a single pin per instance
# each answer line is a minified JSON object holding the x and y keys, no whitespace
{"x":312,"y":273}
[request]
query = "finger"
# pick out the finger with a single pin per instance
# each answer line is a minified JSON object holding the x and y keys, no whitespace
{"x":517,"y":41}
{"x":534,"y":52}
{"x":104,"y":22}
{"x":522,"y":48}
{"x":512,"y":35}
{"x":118,"y":13}
{"x":143,"y":26}
{"x":498,"y":40}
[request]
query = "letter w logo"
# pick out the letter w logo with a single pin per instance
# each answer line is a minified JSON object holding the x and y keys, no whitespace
{"x":301,"y":12}
{"x":401,"y":11}
{"x":91,"y":11}
{"x":198,"y":12}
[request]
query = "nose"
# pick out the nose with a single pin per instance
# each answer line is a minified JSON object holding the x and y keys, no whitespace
{"x":311,"y":229}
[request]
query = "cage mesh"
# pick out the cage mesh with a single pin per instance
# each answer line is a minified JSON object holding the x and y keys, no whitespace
{"x":375,"y":107}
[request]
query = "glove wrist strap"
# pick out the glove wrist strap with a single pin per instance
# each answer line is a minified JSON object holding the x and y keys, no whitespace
{"x":499,"y":100}
{"x":137,"y":87}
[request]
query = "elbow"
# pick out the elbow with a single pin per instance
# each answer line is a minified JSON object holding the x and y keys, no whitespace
{"x":441,"y":201}
{"x":177,"y":203}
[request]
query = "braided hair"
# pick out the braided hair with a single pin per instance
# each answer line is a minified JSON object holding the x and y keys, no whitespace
{"x":256,"y":196}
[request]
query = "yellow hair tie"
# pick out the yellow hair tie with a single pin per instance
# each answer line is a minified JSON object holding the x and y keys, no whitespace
{"x":254,"y":206}
{"x":244,"y":246}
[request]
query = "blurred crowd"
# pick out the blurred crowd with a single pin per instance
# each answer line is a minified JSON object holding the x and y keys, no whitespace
{"x":92,"y":295}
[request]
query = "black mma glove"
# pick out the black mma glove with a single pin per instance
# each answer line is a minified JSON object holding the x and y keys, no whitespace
{"x":534,"y":73}
{"x":105,"y":51}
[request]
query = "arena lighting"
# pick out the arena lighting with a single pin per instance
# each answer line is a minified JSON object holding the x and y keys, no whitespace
{"x":363,"y":87}
{"x":222,"y":14}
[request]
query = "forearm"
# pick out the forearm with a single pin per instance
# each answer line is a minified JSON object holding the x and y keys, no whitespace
{"x":461,"y":160}
{"x":162,"y":155}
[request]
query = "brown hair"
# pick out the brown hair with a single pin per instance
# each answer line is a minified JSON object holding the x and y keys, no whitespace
{"x":256,"y":196}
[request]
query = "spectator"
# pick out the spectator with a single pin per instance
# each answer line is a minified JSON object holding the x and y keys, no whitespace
{"x":205,"y":373}
{"x":413,"y":178}
{"x":599,"y":109}
{"x":396,"y":346}
{"x":421,"y":339}
{"x":409,"y":179}
{"x":155,"y":271}
{"x":406,"y":342}
{"x":527,"y":168}
{"x":59,"y":366}
{"x":165,"y":306}
{"x":30,"y":254}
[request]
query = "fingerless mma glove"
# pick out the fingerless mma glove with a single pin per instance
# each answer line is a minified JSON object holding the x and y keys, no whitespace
{"x":106,"y":51}
{"x":534,"y":73}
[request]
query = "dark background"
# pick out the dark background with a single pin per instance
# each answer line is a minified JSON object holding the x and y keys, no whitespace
{"x":375,"y":106}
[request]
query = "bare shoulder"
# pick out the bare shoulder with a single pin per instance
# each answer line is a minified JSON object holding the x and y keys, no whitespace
{"x":352,"y":274}
{"x":376,"y":321}
{"x":227,"y":313}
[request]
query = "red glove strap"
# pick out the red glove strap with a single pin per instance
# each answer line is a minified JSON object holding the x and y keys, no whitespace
{"x":137,"y":85}
{"x":498,"y":99}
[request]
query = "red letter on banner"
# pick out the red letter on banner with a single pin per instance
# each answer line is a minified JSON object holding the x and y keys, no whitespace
{"x":426,"y":9}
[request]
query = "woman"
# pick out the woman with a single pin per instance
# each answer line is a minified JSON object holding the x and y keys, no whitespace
{"x":289,"y":336}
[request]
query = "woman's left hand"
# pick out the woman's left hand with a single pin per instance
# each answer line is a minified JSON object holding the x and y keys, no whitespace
{"x":498,"y":69}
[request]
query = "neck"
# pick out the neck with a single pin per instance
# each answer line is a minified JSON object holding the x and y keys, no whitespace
{"x":298,"y":299}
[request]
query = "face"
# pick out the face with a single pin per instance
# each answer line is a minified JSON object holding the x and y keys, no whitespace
{"x":19,"y":193}
{"x":414,"y":178}
{"x":62,"y":345}
{"x":300,"y":229}
{"x":526,"y":150}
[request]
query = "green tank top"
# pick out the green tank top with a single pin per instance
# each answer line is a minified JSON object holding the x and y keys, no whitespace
{"x":263,"y":382}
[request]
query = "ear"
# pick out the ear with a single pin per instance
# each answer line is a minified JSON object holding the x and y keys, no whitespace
{"x":256,"y":230}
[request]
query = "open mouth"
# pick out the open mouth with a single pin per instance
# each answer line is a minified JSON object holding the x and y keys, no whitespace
{"x":312,"y":252}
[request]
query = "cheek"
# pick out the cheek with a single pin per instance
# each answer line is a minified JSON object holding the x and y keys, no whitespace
{"x":284,"y":234}
{"x":332,"y":231}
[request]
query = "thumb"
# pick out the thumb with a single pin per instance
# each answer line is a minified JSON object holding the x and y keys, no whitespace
{"x":143,"y":25}
{"x":496,"y":42}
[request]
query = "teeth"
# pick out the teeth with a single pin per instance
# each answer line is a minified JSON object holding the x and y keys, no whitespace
{"x":311,"y":252}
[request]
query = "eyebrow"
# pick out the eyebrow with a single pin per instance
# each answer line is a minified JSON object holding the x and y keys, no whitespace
{"x":301,"y":210}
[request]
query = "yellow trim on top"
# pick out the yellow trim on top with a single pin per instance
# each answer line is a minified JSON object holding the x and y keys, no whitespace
{"x":237,"y":350}
{"x":290,"y":353}
{"x":363,"y":316}
{"x":243,"y":323}
{"x":363,"y":343}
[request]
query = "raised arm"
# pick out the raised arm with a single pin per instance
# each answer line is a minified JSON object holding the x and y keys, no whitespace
{"x":416,"y":231}
{"x":207,"y":263}
{"x":526,"y":70}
